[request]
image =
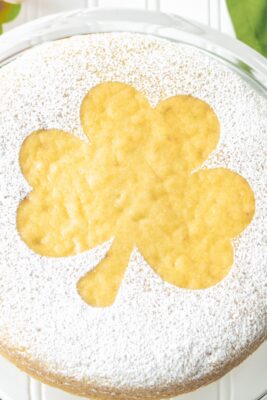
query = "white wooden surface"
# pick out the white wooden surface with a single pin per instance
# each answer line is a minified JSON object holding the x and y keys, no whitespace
{"x":210,"y":12}
{"x":247,"y":381}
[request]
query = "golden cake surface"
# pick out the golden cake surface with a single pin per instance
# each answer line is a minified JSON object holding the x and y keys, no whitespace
{"x":133,"y":182}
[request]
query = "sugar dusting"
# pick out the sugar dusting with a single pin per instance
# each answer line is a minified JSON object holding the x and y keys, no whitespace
{"x":155,"y":334}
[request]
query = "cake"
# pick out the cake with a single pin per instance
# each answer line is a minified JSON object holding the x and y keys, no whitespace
{"x":132,"y":216}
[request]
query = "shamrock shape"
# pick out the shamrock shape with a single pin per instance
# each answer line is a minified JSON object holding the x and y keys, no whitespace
{"x":133,"y":182}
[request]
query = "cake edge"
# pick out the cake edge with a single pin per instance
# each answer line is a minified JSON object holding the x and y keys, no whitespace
{"x":93,"y":391}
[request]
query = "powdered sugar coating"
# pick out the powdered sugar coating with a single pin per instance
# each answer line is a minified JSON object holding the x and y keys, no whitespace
{"x":156,"y":334}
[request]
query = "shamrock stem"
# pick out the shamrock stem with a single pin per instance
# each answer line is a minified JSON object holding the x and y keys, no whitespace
{"x":99,"y":287}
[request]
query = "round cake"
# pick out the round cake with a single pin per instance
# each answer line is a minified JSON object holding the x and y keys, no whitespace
{"x":132,"y":216}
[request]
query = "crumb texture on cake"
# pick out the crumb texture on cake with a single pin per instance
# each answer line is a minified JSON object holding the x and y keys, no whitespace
{"x":133,"y":181}
{"x":156,"y":335}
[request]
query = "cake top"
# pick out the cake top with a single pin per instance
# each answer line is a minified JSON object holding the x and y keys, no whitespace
{"x":155,"y":333}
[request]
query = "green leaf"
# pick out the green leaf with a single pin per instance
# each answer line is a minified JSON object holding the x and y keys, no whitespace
{"x":250,"y":22}
{"x":8,"y":11}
